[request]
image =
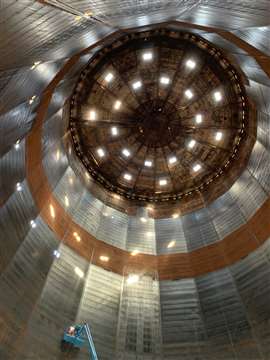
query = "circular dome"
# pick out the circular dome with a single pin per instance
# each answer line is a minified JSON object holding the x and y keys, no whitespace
{"x":160,"y":115}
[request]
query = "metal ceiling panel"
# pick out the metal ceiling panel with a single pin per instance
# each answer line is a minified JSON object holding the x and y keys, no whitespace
{"x":258,"y":37}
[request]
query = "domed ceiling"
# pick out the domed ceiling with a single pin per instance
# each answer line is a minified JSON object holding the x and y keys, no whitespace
{"x":161,"y":116}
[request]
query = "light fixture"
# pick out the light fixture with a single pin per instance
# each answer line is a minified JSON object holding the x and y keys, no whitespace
{"x":32,"y":99}
{"x":17,"y":145}
{"x":198,"y":118}
{"x":36,"y":63}
{"x":189,"y":94}
{"x":132,"y":279}
{"x":52,"y":212}
{"x":148,"y":163}
{"x":117,"y":104}
{"x":197,"y":167}
{"x":147,"y":56}
{"x":171,"y":244}
{"x":92,"y":115}
{"x":175,"y":216}
{"x":190,"y":64}
{"x":114,"y":130}
{"x":66,"y":201}
{"x":79,"y":272}
{"x":70,"y":181}
{"x":127,"y":177}
{"x":100,"y":152}
{"x":104,"y":258}
{"x":57,"y":155}
{"x":217,"y":96}
{"x":77,"y":236}
{"x":56,"y":253}
{"x":33,"y":224}
{"x":18,"y":187}
{"x":191,"y":144}
{"x":137,"y":84}
{"x":164,"y":80}
{"x":172,"y":160}
{"x":109,"y":77}
{"x":218,"y":136}
{"x":143,"y":220}
{"x":116,"y":196}
{"x":134,"y":253}
{"x":126,"y":152}
{"x":162,"y":182}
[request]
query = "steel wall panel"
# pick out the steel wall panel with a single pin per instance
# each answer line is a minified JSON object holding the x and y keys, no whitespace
{"x":167,"y":231}
{"x":141,"y":235}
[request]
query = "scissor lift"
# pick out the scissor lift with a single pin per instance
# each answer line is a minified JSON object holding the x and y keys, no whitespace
{"x":76,"y":337}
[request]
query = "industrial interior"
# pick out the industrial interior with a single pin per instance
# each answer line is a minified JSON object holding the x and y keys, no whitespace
{"x":135,"y":180}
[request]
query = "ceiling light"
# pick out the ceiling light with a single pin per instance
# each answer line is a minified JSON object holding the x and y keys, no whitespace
{"x":33,"y":224}
{"x":132,"y":279}
{"x":127,"y":177}
{"x":143,"y":219}
{"x":162,"y":182}
{"x":147,"y":56}
{"x":190,"y":64}
{"x":66,"y":201}
{"x":18,"y":187}
{"x":92,"y":115}
{"x":217,"y":96}
{"x":189,"y":94}
{"x":218,"y":135}
{"x":77,"y":236}
{"x":198,"y":118}
{"x":164,"y":80}
{"x":32,"y":99}
{"x":175,"y":216}
{"x":148,"y":163}
{"x":17,"y":145}
{"x":114,"y":130}
{"x":171,"y":244}
{"x":104,"y":258}
{"x":137,"y":84}
{"x":79,"y":272}
{"x":117,"y":105}
{"x":197,"y":167}
{"x":56,"y":253}
{"x":134,"y":253}
{"x":191,"y":144}
{"x":172,"y":159}
{"x":109,"y":77}
{"x":52,"y":211}
{"x":100,"y":152}
{"x":126,"y":152}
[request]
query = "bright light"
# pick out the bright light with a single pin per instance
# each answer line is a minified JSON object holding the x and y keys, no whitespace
{"x":32,"y":99}
{"x":218,"y":135}
{"x":18,"y":187}
{"x":164,"y":80}
{"x":127,"y":177}
{"x":175,"y":216}
{"x":52,"y":211}
{"x":217,"y":96}
{"x":117,"y":104}
{"x":162,"y":182}
{"x":148,"y":163}
{"x":171,"y":244}
{"x":77,"y":236}
{"x":190,"y":64}
{"x":191,"y":144}
{"x":33,"y":224}
{"x":92,"y":115}
{"x":147,"y":56}
{"x":126,"y":152}
{"x":134,"y":253}
{"x":198,"y":118}
{"x":137,"y":84}
{"x":109,"y":77}
{"x":143,"y":220}
{"x":70,"y":181}
{"x":17,"y":145}
{"x":79,"y":272}
{"x":36,"y":63}
{"x":197,"y":167}
{"x":114,"y":130}
{"x":66,"y":201}
{"x":56,"y":253}
{"x":100,"y":152}
{"x":57,"y":156}
{"x":189,"y":94}
{"x":104,"y":258}
{"x":132,"y":279}
{"x":172,"y":159}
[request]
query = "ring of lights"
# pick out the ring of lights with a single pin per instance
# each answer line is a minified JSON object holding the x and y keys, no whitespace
{"x":96,"y":111}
